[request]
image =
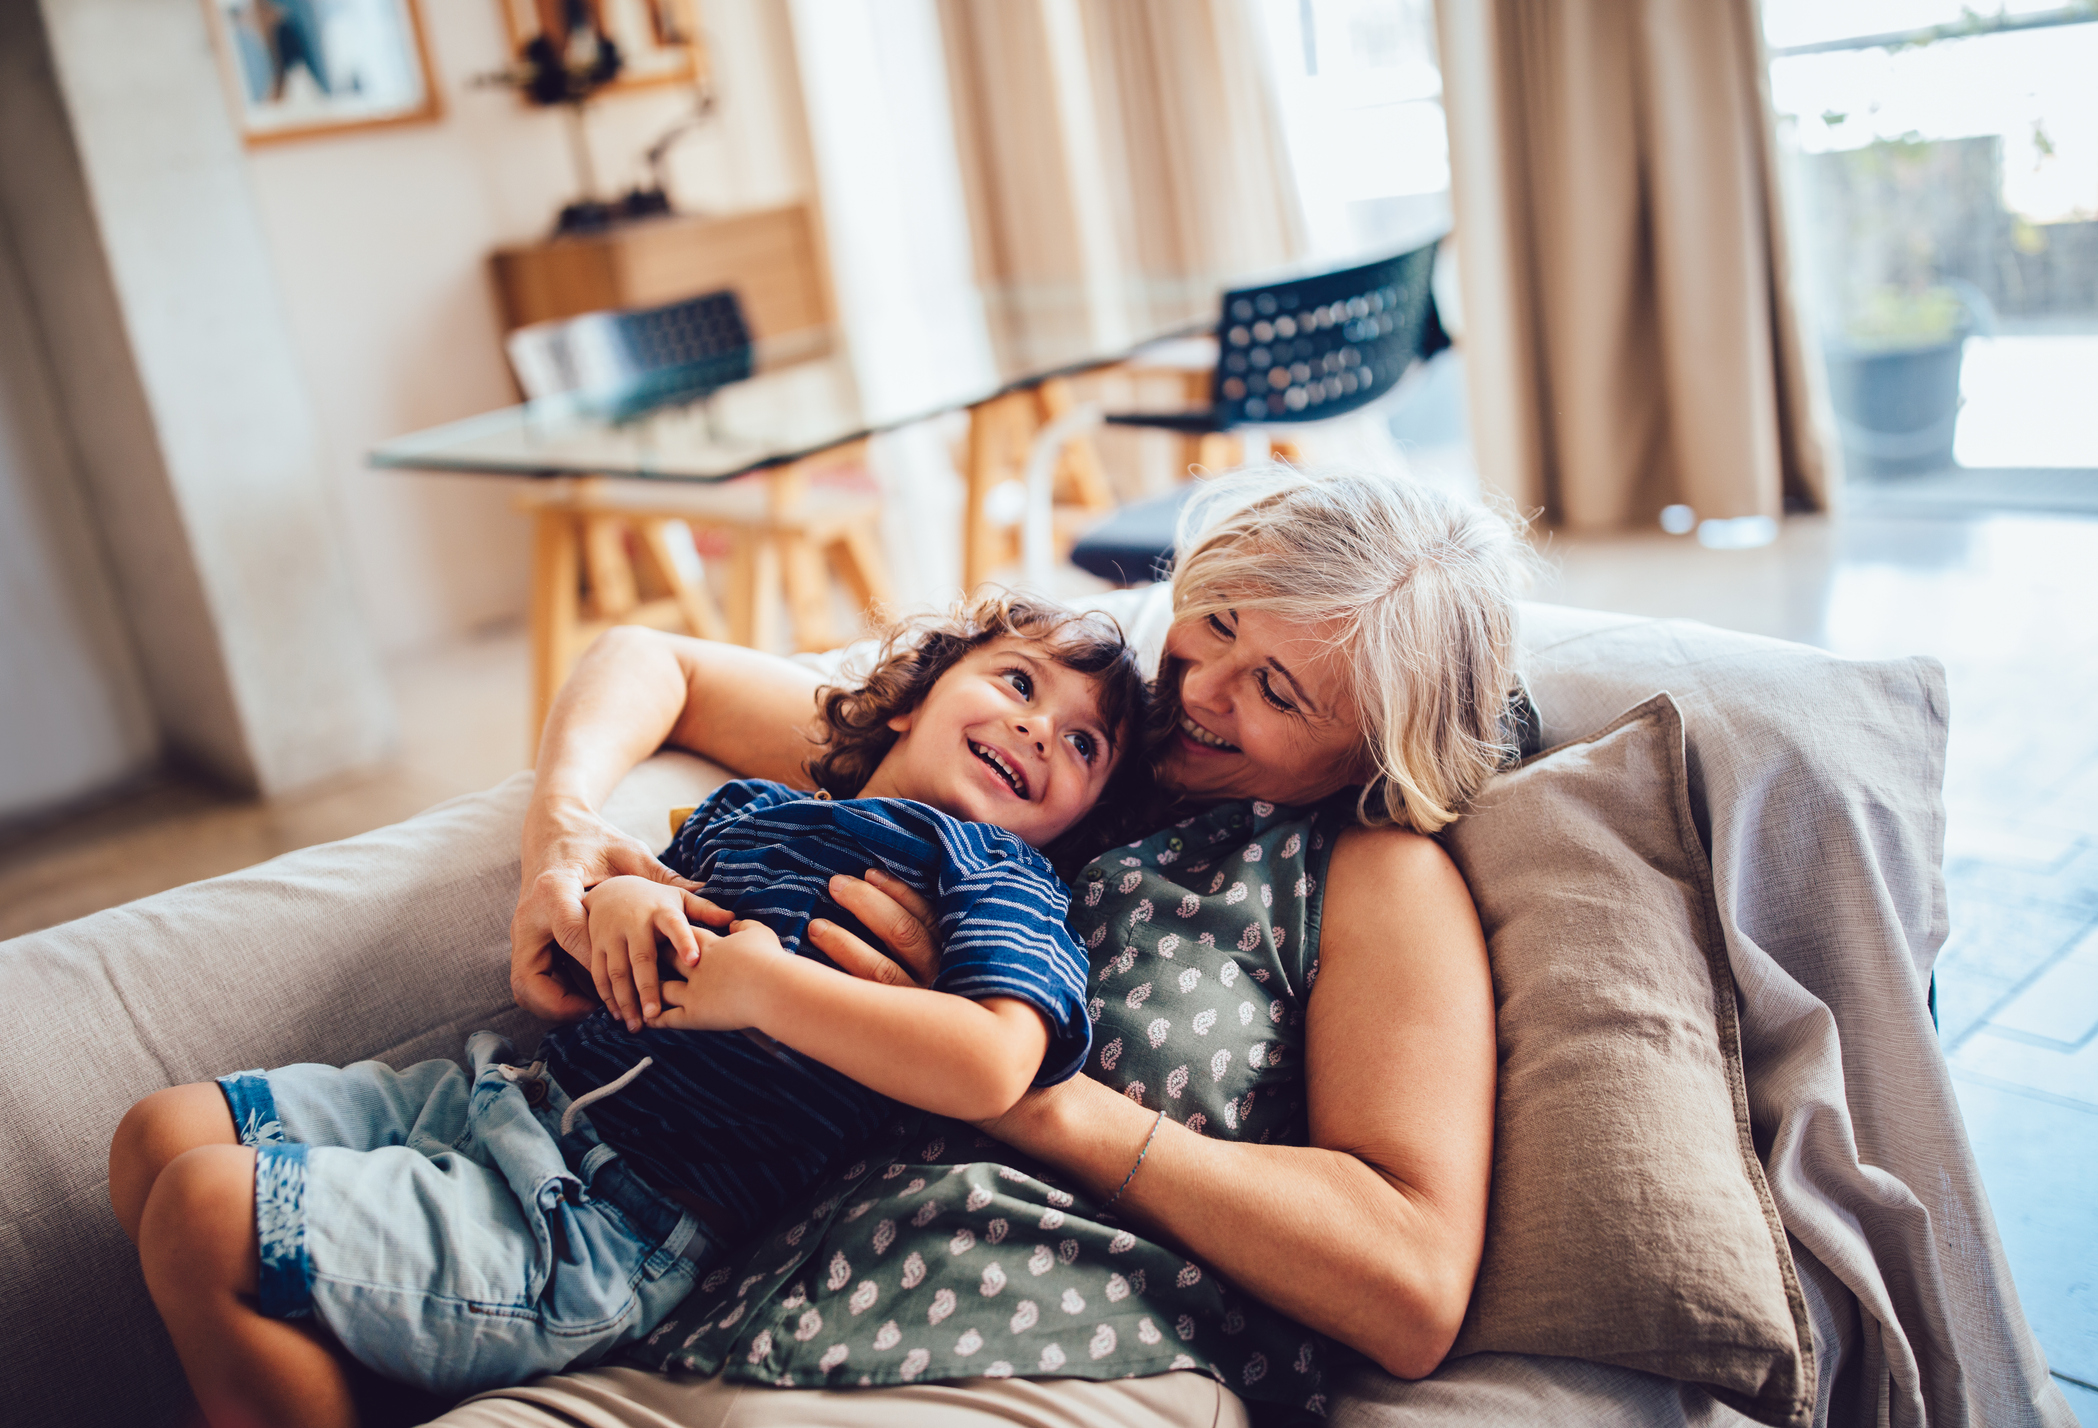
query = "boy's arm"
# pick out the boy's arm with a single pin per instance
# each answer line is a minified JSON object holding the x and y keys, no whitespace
{"x":933,"y":1050}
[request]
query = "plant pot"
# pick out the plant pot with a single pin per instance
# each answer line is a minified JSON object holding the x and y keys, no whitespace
{"x":1897,"y":407}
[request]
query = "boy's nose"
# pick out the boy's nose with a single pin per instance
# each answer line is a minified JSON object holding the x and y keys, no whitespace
{"x":1035,"y":730}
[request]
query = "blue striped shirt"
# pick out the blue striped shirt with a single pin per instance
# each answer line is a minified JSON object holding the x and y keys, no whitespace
{"x":745,"y":1125}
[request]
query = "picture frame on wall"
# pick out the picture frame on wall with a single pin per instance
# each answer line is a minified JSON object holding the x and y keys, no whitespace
{"x":659,"y":41}
{"x":299,"y":68}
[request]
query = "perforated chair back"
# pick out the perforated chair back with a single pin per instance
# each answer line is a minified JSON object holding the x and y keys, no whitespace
{"x":1319,"y":347}
{"x":625,"y":364}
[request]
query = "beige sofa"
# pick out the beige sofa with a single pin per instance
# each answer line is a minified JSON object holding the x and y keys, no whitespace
{"x":1814,"y":784}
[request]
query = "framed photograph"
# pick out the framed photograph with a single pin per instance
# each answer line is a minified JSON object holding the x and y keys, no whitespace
{"x":659,"y":40}
{"x":298,"y":68}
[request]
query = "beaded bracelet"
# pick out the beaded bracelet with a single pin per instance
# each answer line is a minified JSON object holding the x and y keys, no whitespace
{"x":1139,"y":1160}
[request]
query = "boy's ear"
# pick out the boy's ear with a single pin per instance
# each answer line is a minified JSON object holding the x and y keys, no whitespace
{"x":902,"y":722}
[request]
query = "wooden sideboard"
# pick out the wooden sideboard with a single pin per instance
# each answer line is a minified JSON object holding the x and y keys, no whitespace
{"x":770,"y":257}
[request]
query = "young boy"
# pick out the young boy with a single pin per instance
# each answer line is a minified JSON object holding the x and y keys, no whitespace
{"x":460,"y":1232}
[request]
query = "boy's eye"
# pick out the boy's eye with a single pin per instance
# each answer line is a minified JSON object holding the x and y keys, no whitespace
{"x":1088,"y":747}
{"x":1022,"y":682}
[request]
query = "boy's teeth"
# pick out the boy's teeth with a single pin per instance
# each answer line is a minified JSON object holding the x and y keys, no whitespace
{"x":992,"y":757}
{"x":1202,"y":736}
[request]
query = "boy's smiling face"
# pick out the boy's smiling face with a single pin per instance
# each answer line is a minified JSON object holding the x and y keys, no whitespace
{"x":1007,"y":736}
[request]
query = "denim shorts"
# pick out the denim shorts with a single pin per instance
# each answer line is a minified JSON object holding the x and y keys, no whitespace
{"x":445,"y":1229}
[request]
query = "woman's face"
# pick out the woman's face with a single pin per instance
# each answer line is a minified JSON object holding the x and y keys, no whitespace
{"x":1264,"y":710}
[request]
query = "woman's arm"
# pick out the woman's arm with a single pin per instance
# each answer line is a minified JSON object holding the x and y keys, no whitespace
{"x":632,"y":691}
{"x":1372,"y":1234}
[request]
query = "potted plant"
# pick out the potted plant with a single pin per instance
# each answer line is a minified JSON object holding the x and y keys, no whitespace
{"x":1894,"y":377}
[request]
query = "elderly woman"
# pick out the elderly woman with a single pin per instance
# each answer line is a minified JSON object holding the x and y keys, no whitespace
{"x":1284,"y":1136}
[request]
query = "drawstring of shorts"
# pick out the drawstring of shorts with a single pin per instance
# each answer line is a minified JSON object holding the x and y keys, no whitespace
{"x":610,"y":1088}
{"x":576,"y":1107}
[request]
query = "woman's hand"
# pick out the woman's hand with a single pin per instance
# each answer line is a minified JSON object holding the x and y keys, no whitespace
{"x":892,"y":912}
{"x":568,"y":849}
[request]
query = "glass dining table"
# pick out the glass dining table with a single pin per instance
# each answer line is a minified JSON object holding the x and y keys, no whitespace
{"x":608,"y":494}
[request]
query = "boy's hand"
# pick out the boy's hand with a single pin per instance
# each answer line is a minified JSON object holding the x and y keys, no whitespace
{"x":724,"y":991}
{"x":567,"y":848}
{"x":626,"y":915}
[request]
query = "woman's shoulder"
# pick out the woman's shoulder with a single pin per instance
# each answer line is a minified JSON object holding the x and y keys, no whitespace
{"x":1395,"y":860}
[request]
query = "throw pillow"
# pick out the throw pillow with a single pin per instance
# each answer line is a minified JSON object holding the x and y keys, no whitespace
{"x":1629,"y":1221}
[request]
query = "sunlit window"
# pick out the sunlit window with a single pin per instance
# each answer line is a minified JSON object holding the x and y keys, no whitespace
{"x":1361,"y":99}
{"x":1943,"y":163}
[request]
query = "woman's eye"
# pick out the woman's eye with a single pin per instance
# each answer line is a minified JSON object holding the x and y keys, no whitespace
{"x":1022,"y":682}
{"x":1267,"y":692}
{"x":1221,"y":630}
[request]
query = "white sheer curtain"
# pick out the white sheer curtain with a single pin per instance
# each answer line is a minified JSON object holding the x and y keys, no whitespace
{"x":1113,"y":151}
{"x":896,"y":225}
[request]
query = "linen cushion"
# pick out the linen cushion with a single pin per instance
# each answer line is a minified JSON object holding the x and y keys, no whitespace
{"x":1629,"y":1222}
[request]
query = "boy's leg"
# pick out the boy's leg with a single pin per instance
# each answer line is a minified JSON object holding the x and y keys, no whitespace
{"x":197,"y":1245}
{"x":153,"y":1133}
{"x":359,"y":1107}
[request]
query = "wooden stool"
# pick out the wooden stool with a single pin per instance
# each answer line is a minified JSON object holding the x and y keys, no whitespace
{"x":602,"y":556}
{"x":1003,"y":429}
{"x":1001,"y":432}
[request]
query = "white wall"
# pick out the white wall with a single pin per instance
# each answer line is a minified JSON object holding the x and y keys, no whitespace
{"x":72,"y":704}
{"x":126,"y":192}
{"x":380,"y":239}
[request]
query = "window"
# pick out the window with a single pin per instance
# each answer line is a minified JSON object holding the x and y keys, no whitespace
{"x":1943,"y":167}
{"x":1360,"y":92}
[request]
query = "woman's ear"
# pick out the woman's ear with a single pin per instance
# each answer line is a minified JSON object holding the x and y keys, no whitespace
{"x":902,"y":722}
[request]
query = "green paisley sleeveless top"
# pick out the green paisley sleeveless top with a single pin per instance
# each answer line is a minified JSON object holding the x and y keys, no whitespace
{"x":939,"y":1253}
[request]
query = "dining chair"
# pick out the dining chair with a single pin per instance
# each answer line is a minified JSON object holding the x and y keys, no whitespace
{"x":1303,"y":350}
{"x":1313,"y":348}
{"x":610,"y":552}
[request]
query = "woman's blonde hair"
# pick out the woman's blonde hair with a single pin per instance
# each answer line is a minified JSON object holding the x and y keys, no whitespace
{"x":1420,"y":587}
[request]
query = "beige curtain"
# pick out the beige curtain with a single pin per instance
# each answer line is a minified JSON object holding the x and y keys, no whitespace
{"x":1631,"y":336}
{"x":1121,"y":158}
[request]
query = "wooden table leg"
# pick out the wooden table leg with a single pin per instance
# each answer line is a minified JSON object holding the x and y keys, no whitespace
{"x":701,"y":616}
{"x":857,"y":559}
{"x":800,"y":563}
{"x":996,"y":427}
{"x":1079,"y":476}
{"x":807,"y":592}
{"x":555,"y":572}
{"x":752,"y":583}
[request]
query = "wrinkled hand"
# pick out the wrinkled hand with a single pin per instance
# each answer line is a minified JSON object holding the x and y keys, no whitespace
{"x":910,"y":955}
{"x":722,"y":992}
{"x":567,"y":850}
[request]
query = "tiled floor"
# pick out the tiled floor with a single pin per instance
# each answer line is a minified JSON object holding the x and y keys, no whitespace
{"x":2009,"y":603}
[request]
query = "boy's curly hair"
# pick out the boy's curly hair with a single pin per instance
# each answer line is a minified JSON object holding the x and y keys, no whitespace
{"x":914,"y":653}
